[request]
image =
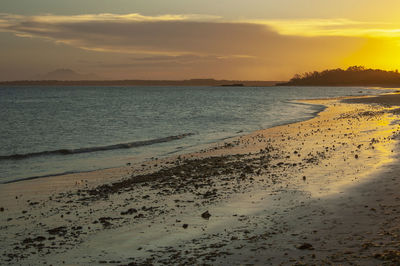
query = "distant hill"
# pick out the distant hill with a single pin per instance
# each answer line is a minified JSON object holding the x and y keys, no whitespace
{"x":65,"y":74}
{"x":189,"y":82}
{"x":352,"y":76}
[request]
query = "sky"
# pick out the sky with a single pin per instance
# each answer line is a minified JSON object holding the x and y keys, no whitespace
{"x":183,"y":39}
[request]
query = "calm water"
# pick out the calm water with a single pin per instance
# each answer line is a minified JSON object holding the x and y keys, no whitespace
{"x":53,"y":130}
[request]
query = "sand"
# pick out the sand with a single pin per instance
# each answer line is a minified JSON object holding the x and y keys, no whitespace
{"x":322,"y":191}
{"x":392,"y":99}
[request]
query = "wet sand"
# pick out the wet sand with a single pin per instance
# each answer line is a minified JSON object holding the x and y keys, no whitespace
{"x":387,"y":100}
{"x":322,"y":191}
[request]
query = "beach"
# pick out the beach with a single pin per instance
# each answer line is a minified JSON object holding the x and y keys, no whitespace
{"x":321,"y":191}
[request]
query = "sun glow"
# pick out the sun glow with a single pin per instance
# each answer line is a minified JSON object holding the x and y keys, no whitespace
{"x":381,"y":53}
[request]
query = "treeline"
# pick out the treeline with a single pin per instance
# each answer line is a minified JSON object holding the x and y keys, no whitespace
{"x":352,"y":76}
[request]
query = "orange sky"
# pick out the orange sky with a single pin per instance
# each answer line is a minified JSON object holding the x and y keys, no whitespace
{"x":262,"y":40}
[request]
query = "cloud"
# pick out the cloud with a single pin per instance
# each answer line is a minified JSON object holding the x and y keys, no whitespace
{"x":187,"y":44}
{"x":170,"y":35}
{"x":103,"y":17}
{"x":136,"y":34}
{"x":129,"y":33}
{"x":331,"y":27}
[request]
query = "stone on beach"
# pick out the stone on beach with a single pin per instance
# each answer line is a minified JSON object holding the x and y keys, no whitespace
{"x":206,"y":215}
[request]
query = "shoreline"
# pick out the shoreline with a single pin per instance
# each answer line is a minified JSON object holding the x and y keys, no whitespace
{"x":238,"y":177}
{"x":265,"y":116}
{"x":66,"y":152}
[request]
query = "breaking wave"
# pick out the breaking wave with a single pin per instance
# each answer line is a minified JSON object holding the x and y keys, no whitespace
{"x":128,"y":145}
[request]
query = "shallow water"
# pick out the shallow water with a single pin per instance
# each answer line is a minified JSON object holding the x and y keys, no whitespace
{"x":52,"y":130}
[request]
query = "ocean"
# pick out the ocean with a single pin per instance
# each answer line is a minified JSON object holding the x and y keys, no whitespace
{"x":47,"y":131}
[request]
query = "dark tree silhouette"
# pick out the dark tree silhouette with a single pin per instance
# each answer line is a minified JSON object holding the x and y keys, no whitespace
{"x":352,"y":76}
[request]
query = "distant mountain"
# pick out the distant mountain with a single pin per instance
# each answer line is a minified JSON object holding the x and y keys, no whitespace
{"x":352,"y":76}
{"x":66,"y":74}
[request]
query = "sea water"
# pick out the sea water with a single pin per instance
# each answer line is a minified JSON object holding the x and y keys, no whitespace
{"x":50,"y":130}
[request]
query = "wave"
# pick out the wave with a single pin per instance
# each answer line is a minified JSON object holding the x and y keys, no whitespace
{"x":128,"y":145}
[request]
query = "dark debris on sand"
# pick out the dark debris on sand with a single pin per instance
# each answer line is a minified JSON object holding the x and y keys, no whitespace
{"x":205,"y":179}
